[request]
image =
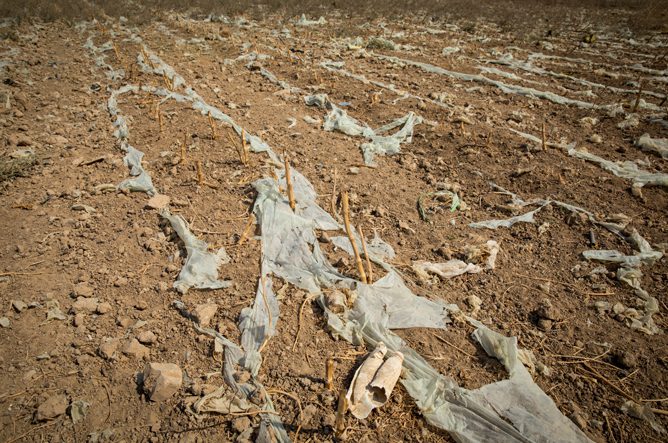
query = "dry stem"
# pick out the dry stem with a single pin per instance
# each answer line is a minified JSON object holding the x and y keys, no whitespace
{"x":544,"y":144}
{"x":329,"y":371}
{"x":299,"y":324}
{"x":366,"y":255}
{"x":200,"y":176}
{"x":247,"y":230}
{"x":349,"y":231}
{"x":340,"y":425}
{"x":213,"y":127}
{"x":288,"y":181}
{"x":244,"y":149}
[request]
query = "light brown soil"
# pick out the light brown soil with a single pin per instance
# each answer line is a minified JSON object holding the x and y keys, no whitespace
{"x":123,"y":253}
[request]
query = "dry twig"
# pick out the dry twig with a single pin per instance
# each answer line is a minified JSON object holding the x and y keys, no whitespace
{"x":351,"y":237}
{"x":288,"y":181}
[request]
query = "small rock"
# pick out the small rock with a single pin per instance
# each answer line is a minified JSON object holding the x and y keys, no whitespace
{"x":310,"y":411}
{"x":84,"y":304}
{"x":595,"y":138}
{"x":53,"y":407}
{"x":474,"y":303}
{"x":120,"y":281}
{"x":83,"y":290}
{"x":78,"y":320}
{"x":19,"y":306}
{"x":135,"y":349}
{"x":108,"y":348}
{"x":161,"y":380}
{"x":103,"y":308}
{"x":241,"y":424}
{"x":147,"y":337}
{"x":158,"y":201}
{"x":205,"y":312}
{"x":406,"y":228}
{"x":4,"y":322}
{"x":380,"y":211}
{"x":57,"y":140}
{"x":545,"y":324}
{"x":78,"y":410}
{"x":141,"y":305}
{"x":354,"y":170}
{"x":547,"y":311}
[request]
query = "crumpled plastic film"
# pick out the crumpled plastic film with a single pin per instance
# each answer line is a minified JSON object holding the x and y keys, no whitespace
{"x":303,"y":21}
{"x":258,"y":324}
{"x":379,"y":144}
{"x":448,"y":269}
{"x":656,"y":145}
{"x":506,"y":88}
{"x":141,"y":181}
{"x":200,"y":269}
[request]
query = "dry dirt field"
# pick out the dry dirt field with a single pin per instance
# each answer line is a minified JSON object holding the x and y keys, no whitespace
{"x":524,"y":195}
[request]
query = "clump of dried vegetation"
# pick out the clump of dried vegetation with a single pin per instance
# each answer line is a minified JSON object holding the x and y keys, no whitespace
{"x":11,"y":168}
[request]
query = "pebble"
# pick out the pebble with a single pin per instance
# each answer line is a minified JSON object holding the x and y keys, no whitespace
{"x":162,"y":380}
{"x":205,"y":312}
{"x":103,"y":308}
{"x":135,"y":349}
{"x":147,"y":337}
{"x":108,"y":348}
{"x":4,"y":322}
{"x":19,"y":306}
{"x":83,"y":290}
{"x":53,"y":407}
{"x":120,"y":281}
{"x":84,"y":304}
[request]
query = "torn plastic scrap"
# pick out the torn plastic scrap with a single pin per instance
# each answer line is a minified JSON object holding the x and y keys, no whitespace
{"x":200,"y":269}
{"x":373,"y":382}
{"x":449,"y":269}
{"x":379,"y":144}
{"x":656,"y":145}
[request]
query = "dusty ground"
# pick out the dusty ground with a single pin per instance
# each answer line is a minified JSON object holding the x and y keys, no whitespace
{"x":119,"y":251}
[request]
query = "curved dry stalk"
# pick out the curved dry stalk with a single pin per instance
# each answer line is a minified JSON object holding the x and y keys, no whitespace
{"x":299,"y":324}
{"x":288,"y":181}
{"x":366,"y":255}
{"x":349,"y":231}
{"x":299,"y":405}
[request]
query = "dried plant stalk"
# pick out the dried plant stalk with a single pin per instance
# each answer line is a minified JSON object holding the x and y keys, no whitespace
{"x":461,"y":127}
{"x":329,"y":371}
{"x":213,"y":127}
{"x":637,"y":102}
{"x":288,"y":181}
{"x":366,"y":255}
{"x":200,"y":175}
{"x":544,"y":143}
{"x":234,"y":145}
{"x":351,"y":237}
{"x":340,"y":425}
{"x":333,"y":200}
{"x":182,"y":160}
{"x":247,"y":230}
{"x":266,"y":306}
{"x":118,"y":55}
{"x":244,"y":148}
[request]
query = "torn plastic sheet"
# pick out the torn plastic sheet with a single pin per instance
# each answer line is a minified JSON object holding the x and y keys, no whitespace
{"x":506,"y":88}
{"x":100,"y":59}
{"x":643,"y":412}
{"x":454,"y":267}
{"x":627,"y":169}
{"x":379,"y":144}
{"x":272,"y":78}
{"x":509,"y":60}
{"x":378,"y":249}
{"x":303,"y":21}
{"x":337,"y":68}
{"x":200,"y":269}
{"x":656,"y":145}
{"x":141,"y":180}
{"x":469,"y":416}
{"x":373,"y":381}
{"x":258,"y":324}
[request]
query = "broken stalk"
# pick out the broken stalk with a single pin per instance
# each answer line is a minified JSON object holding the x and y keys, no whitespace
{"x":244,"y":149}
{"x":200,"y":176}
{"x":247,"y":230}
{"x":366,"y":255}
{"x":349,"y":231}
{"x":182,"y":160}
{"x":637,"y":102}
{"x":544,"y":143}
{"x":288,"y":181}
{"x":340,"y":425}
{"x":329,"y":371}
{"x":213,"y":127}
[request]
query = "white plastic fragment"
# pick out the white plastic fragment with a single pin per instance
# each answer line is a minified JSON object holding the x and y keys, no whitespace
{"x":200,"y":269}
{"x":656,"y":145}
{"x":643,"y":412}
{"x":373,"y":382}
{"x":449,"y":269}
{"x":303,"y":21}
{"x":379,"y":144}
